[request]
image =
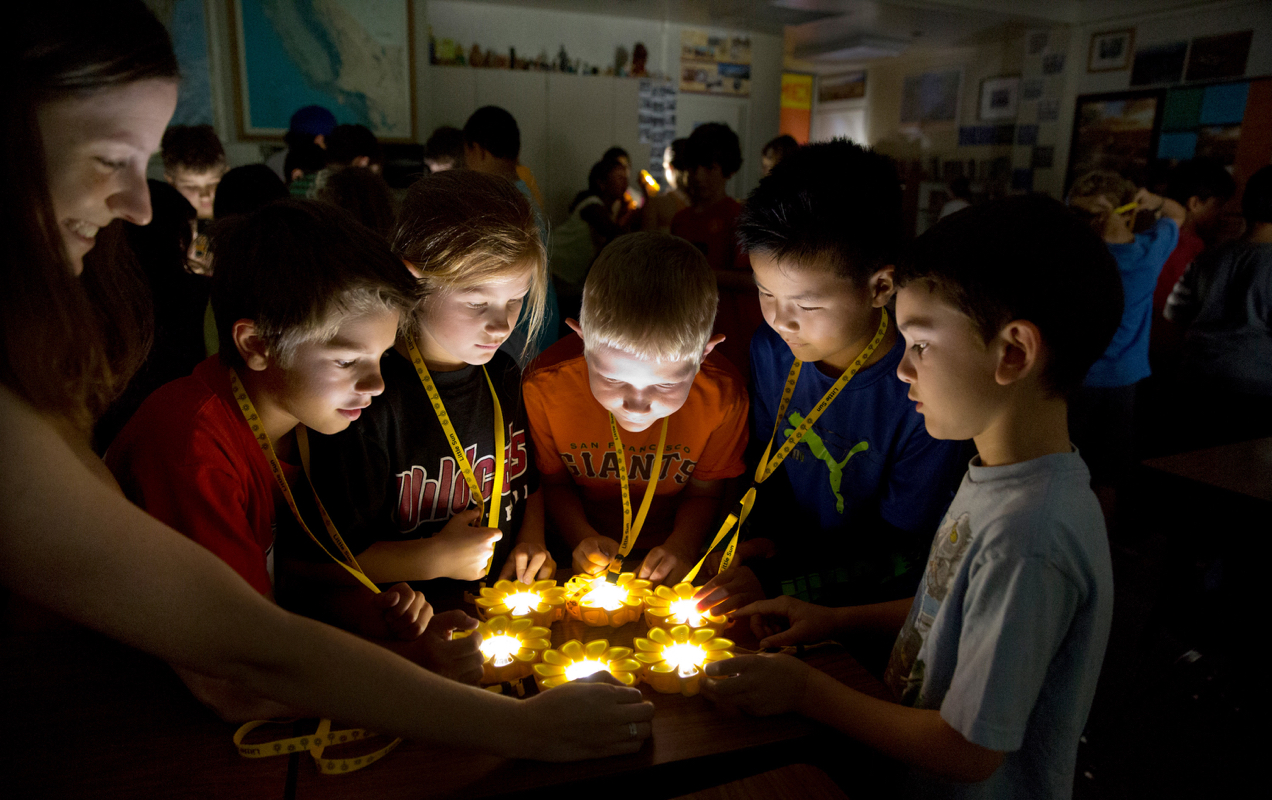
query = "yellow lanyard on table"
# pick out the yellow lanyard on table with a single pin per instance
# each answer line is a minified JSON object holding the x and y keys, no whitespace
{"x":315,"y":744}
{"x":262,"y":438}
{"x":767,"y":465}
{"x":457,"y":447}
{"x":632,"y":529}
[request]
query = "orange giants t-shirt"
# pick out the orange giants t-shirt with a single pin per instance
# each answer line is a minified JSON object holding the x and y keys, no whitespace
{"x":571,"y":433}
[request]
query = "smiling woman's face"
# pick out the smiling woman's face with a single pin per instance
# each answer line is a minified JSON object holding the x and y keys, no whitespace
{"x":96,"y":147}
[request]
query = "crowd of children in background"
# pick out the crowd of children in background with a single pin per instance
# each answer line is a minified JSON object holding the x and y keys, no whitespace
{"x":364,"y":405}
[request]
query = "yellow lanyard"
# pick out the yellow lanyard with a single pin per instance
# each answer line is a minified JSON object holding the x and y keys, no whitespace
{"x":258,"y":430}
{"x":768,"y":466}
{"x":457,"y":447}
{"x":314,"y":744}
{"x":632,"y":530}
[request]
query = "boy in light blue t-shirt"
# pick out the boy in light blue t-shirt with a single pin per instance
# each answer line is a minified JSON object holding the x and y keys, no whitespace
{"x":998,"y":654}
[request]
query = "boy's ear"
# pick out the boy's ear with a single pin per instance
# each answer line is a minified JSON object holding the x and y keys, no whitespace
{"x":1022,"y":352}
{"x":251,"y":347}
{"x":574,"y":326}
{"x":882,"y":286}
{"x":711,"y":344}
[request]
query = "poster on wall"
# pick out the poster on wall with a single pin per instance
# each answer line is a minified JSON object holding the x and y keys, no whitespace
{"x":931,"y":97}
{"x":1162,"y":63}
{"x":351,"y":57}
{"x":795,"y":116}
{"x":715,"y":63}
{"x":1213,"y":58}
{"x":999,"y":98}
{"x":849,"y":86}
{"x":656,"y":119}
{"x":1114,"y":132}
{"x":188,"y":28}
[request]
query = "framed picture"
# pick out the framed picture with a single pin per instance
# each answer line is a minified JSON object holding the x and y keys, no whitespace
{"x":1111,"y":50}
{"x":1115,"y":132}
{"x":1161,"y":63}
{"x":999,"y":98}
{"x":1213,"y":58}
{"x":312,"y":56}
{"x":849,"y":86}
{"x":931,"y":97}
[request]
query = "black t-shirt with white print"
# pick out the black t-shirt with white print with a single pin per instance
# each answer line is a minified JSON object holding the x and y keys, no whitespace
{"x":391,"y":475}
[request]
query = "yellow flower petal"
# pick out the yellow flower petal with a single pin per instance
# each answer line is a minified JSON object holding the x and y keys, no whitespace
{"x":617,"y":653}
{"x":595,"y":648}
{"x":660,"y":636}
{"x":624,"y":665}
{"x":502,"y":586}
{"x":650,"y":658}
{"x":542,"y":586}
{"x":701,"y":635}
{"x":680,"y":634}
{"x":685,"y":590}
{"x":661,"y":667}
{"x":556,"y":659}
{"x":717,"y":644}
{"x":548,"y":670}
{"x":572,"y":649}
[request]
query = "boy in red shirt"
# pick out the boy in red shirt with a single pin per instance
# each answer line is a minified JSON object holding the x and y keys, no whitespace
{"x":641,"y":367}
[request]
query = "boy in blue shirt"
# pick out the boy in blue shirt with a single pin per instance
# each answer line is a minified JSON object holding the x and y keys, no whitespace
{"x":849,"y":511}
{"x":998,"y":654}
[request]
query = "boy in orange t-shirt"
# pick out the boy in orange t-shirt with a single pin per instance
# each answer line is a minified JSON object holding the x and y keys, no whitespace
{"x":642,"y":355}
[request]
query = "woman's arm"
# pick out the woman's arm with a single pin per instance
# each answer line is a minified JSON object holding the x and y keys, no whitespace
{"x":69,"y":541}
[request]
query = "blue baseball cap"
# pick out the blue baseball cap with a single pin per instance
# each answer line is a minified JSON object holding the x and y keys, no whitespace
{"x":313,"y":121}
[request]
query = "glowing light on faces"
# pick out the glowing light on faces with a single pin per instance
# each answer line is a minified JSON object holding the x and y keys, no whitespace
{"x":605,"y":595}
{"x":522,"y":603}
{"x":685,"y":658}
{"x":581,"y":669}
{"x":500,"y":649}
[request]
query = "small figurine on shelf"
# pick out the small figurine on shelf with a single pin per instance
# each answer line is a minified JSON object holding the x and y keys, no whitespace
{"x":639,"y":56}
{"x":620,"y":61}
{"x":512,"y":58}
{"x":563,"y":60}
{"x":475,"y":58}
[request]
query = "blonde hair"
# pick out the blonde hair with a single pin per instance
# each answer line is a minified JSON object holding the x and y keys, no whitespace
{"x":462,"y":228}
{"x":1100,"y":183}
{"x":651,"y":295}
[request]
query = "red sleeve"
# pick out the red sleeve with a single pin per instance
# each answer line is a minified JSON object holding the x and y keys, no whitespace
{"x":205,"y":495}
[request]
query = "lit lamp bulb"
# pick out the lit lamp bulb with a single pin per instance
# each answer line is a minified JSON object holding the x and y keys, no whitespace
{"x":668,"y":606}
{"x":599,"y":603}
{"x":509,"y":648}
{"x":542,"y":602}
{"x":673,"y":660}
{"x":685,"y":612}
{"x":576,"y":660}
{"x":522,"y":603}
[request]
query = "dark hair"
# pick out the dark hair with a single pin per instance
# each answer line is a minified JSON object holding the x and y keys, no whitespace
{"x":1203,"y":178}
{"x":348,"y":142}
{"x":446,"y":145}
{"x":1256,"y":200}
{"x":360,"y":192}
{"x":615,"y":153}
{"x":494,"y":129}
{"x":162,"y":246}
{"x":833,"y":203}
{"x":781,"y":146}
{"x":714,"y":143}
{"x":71,"y":343}
{"x":308,"y":122}
{"x":295,"y":268}
{"x":679,"y":150}
{"x":961,"y":188}
{"x":192,"y":147}
{"x":596,"y":177}
{"x":244,"y":189}
{"x":1025,"y":257}
{"x":307,"y":157}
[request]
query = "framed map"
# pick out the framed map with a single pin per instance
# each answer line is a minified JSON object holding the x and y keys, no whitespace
{"x":354,"y":57}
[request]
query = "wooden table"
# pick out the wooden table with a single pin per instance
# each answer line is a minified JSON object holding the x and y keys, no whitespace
{"x":89,"y":717}
{"x":1244,"y":468}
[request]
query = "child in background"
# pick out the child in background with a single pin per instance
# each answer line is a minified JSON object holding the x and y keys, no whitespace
{"x":662,"y":208}
{"x":306,"y":302}
{"x":712,"y":157}
{"x":444,"y":149}
{"x":1201,"y":187}
{"x":642,"y":362}
{"x":591,"y":226}
{"x":851,"y":509}
{"x":999,"y":651}
{"x":354,"y":146}
{"x":393,"y":484}
{"x":778,"y":148}
{"x":193,"y":162}
{"x":1102,"y":411}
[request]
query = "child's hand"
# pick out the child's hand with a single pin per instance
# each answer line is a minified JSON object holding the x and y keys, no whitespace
{"x":457,"y":659}
{"x":730,"y":590}
{"x":462,"y":550}
{"x":665,"y":564}
{"x":785,"y":620}
{"x":406,"y":613}
{"x":588,"y":718}
{"x":527,"y":563}
{"x":762,"y":684}
{"x":594,"y":554}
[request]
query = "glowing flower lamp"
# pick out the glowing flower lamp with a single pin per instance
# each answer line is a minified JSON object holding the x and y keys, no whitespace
{"x":672,"y":660}
{"x":577,"y":660}
{"x":509,"y":648}
{"x":666,"y":607}
{"x":543,"y":602}
{"x":600,"y":603}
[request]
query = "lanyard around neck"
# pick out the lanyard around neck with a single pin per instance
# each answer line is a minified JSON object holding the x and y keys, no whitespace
{"x":767,"y":465}
{"x":267,"y":447}
{"x":632,"y":529}
{"x":452,"y":438}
